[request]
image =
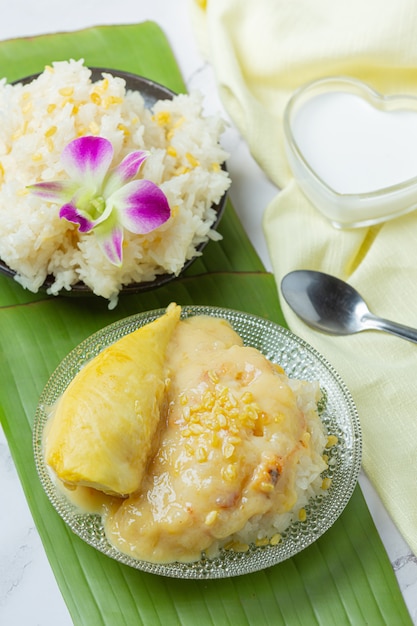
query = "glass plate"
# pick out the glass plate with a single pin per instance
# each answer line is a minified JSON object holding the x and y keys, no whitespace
{"x":151,"y":92}
{"x":299,"y":360}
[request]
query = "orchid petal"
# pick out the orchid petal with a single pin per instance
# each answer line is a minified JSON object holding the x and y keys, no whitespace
{"x":142,"y":206}
{"x":110,"y":238}
{"x":56,"y":190}
{"x":125,"y":171}
{"x":129,"y":167}
{"x":72,"y":214}
{"x":87,"y":159}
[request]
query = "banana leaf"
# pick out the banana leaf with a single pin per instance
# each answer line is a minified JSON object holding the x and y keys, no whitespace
{"x":343,"y":578}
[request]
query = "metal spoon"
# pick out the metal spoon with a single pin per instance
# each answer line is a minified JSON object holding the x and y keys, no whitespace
{"x":332,"y":306}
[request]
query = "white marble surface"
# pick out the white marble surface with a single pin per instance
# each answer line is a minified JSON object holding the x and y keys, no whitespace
{"x":28,"y":591}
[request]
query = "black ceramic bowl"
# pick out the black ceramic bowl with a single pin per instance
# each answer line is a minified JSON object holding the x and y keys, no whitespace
{"x":151,"y":92}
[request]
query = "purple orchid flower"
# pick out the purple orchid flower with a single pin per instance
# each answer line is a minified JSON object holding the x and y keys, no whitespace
{"x":105,"y":201}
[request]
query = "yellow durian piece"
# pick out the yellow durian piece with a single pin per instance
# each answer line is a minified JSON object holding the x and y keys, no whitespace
{"x":102,"y":430}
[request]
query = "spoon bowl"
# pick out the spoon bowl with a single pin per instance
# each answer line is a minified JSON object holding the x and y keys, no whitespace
{"x":331,"y":305}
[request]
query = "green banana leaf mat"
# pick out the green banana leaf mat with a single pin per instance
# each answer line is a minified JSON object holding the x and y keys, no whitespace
{"x":343,"y":578}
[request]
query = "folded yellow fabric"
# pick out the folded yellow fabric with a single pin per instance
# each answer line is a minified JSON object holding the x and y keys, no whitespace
{"x":261,"y":50}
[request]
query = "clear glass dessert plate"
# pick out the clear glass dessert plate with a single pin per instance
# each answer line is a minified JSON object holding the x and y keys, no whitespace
{"x":352,"y":150}
{"x":299,"y":360}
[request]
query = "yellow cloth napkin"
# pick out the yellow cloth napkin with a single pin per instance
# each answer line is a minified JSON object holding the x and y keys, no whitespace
{"x":261,"y":50}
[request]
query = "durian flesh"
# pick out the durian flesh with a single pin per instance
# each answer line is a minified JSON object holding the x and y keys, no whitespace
{"x":103,"y":426}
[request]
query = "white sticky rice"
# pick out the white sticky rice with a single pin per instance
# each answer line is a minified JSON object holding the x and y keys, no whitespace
{"x":39,"y":119}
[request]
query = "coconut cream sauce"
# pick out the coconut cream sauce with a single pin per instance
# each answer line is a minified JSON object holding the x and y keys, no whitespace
{"x":227,"y":451}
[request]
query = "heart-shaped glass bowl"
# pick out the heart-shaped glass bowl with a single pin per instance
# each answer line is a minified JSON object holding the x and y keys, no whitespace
{"x":299,"y":360}
{"x":352,"y":150}
{"x":151,"y":92}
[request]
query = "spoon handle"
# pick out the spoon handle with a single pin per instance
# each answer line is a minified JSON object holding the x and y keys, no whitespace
{"x":379,"y":323}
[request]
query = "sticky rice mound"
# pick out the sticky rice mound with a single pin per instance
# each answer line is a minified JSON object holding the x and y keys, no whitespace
{"x":37,"y":120}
